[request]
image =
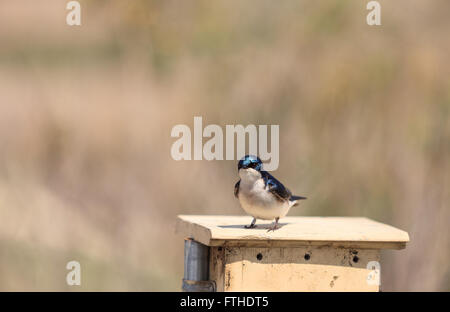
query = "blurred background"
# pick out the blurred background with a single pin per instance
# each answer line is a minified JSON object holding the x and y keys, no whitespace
{"x":86,"y":113}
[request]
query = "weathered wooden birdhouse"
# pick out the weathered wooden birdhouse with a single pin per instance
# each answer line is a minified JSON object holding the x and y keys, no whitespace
{"x":305,"y":254}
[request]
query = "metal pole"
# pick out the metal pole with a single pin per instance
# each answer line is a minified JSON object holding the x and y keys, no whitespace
{"x":196,"y":267}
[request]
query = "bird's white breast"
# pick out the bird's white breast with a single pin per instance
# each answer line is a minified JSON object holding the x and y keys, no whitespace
{"x":255,"y":198}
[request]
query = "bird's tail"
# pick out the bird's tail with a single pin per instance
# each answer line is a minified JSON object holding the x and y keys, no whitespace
{"x":293,"y":199}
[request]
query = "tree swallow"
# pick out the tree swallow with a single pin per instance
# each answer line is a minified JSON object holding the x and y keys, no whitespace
{"x":260,"y":194}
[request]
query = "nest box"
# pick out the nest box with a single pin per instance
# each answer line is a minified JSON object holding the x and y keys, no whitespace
{"x":304,"y":254}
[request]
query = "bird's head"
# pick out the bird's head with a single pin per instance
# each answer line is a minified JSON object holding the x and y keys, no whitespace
{"x":250,"y":161}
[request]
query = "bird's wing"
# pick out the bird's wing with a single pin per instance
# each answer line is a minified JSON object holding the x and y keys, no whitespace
{"x":275,"y":187}
{"x":236,"y":188}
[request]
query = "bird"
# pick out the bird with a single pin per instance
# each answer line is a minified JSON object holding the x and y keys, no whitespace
{"x":260,"y":194}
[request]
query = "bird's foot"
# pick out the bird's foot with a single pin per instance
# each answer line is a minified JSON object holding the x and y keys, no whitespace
{"x":273,"y":228}
{"x":252,"y":225}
